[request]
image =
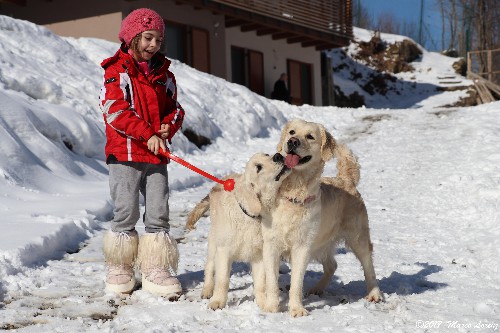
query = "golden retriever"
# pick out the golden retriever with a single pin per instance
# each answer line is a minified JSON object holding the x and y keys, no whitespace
{"x":235,"y":230}
{"x":313,"y":214}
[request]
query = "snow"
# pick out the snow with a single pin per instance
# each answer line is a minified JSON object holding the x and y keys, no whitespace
{"x":430,"y":179}
{"x":408,"y":90}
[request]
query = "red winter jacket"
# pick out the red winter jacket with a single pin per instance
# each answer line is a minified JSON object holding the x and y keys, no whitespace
{"x":134,"y":106}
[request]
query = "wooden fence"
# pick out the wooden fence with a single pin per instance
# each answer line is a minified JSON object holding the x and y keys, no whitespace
{"x":483,"y":67}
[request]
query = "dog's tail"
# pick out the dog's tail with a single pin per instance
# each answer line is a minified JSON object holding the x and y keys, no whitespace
{"x":201,"y":208}
{"x":348,"y":171}
{"x":347,"y":165}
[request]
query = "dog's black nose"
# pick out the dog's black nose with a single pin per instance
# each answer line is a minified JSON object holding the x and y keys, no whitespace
{"x":278,"y":158}
{"x":293,"y":143}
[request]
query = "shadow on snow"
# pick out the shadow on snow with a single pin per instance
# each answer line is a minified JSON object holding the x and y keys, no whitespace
{"x":337,"y":292}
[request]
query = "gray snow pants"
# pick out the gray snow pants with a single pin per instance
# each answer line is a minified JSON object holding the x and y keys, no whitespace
{"x":126,"y":181}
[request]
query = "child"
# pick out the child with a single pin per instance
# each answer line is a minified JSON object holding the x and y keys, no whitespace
{"x":138,"y":101}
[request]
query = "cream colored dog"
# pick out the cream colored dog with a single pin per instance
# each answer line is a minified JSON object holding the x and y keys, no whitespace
{"x":312,"y":214}
{"x":235,"y":230}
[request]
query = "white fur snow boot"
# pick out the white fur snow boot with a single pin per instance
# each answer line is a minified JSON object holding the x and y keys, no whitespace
{"x":158,"y":256}
{"x":120,"y":253}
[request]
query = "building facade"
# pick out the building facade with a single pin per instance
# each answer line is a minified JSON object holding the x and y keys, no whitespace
{"x":249,"y":42}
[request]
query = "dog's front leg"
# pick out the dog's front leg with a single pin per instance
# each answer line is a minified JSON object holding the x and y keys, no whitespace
{"x":271,"y":266}
{"x":208,"y":284}
{"x":259,"y":283}
{"x":222,"y":272}
{"x":300,"y":258}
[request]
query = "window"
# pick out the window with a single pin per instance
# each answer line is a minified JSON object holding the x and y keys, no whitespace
{"x":175,"y":42}
{"x":247,"y":67}
{"x":187,"y":44}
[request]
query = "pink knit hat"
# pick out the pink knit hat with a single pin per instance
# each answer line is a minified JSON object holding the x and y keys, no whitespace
{"x":140,"y":20}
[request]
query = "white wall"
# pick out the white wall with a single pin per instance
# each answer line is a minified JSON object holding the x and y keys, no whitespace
{"x":276,"y":53}
{"x":103,"y":26}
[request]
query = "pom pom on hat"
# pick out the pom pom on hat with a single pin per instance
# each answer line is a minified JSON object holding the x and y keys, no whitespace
{"x":138,"y":21}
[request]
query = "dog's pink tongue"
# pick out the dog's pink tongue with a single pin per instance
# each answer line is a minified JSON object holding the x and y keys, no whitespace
{"x":291,"y":160}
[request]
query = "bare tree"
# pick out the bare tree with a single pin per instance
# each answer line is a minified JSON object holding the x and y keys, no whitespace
{"x":360,"y":16}
{"x":410,"y":29}
{"x":387,"y":22}
{"x":450,"y":24}
{"x":471,"y":24}
{"x":443,"y":23}
{"x":489,"y":20}
{"x":457,"y":17}
{"x":454,"y":23}
{"x":485,"y":24}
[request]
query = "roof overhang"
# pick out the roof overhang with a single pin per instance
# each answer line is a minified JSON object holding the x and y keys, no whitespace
{"x":16,"y":2}
{"x":238,"y":14}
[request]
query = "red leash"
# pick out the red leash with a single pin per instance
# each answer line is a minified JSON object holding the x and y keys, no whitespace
{"x":228,"y":183}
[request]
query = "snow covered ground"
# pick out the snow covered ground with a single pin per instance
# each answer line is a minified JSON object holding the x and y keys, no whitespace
{"x":430,"y":179}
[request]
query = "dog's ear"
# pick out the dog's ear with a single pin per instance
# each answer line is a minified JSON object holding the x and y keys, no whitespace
{"x":328,"y":145}
{"x":247,"y":198}
{"x":284,"y":132}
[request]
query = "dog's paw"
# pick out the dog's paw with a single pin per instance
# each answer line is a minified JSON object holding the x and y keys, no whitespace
{"x":216,"y":304}
{"x":272,"y":308}
{"x":375,"y":296}
{"x":316,"y":291}
{"x":207,"y":293}
{"x":298,"y":312}
{"x":260,"y":299}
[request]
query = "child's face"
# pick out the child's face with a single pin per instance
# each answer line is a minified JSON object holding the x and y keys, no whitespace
{"x":149,"y":43}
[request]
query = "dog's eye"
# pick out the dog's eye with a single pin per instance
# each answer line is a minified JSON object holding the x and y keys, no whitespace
{"x":259,"y":167}
{"x":292,"y":132}
{"x":309,"y":137}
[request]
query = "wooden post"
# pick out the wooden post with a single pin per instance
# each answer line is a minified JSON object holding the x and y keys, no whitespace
{"x":469,"y":63}
{"x":490,"y":66}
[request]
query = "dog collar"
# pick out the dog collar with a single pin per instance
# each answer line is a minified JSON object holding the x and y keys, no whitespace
{"x":307,"y":200}
{"x":247,"y":214}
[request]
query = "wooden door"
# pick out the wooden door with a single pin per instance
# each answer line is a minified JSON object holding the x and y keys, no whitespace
{"x":200,"y":49}
{"x":256,"y":72}
{"x":300,"y":82}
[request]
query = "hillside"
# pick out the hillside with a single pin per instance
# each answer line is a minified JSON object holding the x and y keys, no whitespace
{"x":390,"y":71}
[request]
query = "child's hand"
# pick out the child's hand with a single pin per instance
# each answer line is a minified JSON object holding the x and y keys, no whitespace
{"x":155,"y":143}
{"x":164,"y":131}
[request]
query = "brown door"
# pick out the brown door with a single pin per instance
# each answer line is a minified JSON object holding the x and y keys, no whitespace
{"x":300,"y":80}
{"x":200,"y":50}
{"x":256,"y":72}
{"x":294,"y":80}
{"x":247,"y":68}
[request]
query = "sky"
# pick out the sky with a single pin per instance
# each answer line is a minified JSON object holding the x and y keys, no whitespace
{"x":409,"y":11}
{"x":429,"y":178}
